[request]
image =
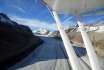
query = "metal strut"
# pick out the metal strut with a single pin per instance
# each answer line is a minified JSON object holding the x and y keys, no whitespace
{"x":69,"y":49}
{"x":90,"y":50}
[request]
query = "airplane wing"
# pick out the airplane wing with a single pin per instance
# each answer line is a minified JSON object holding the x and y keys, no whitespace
{"x":73,"y":6}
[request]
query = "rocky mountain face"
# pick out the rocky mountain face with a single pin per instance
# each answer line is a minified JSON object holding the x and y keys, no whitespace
{"x":95,"y":32}
{"x":16,"y":41}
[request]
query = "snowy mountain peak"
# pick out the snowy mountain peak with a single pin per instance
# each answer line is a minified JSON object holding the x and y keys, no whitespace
{"x":5,"y":18}
{"x":89,"y":27}
{"x":41,"y":31}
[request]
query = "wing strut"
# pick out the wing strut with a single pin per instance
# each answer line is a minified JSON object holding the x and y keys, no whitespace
{"x":90,"y":50}
{"x":69,"y":49}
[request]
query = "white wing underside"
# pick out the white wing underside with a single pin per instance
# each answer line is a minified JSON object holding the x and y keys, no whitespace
{"x":74,"y":6}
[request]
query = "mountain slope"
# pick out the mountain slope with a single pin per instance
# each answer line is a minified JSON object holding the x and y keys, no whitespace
{"x":95,"y":32}
{"x":15,"y":40}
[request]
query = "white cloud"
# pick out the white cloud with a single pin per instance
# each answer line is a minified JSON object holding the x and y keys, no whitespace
{"x":68,"y":21}
{"x":33,"y":22}
{"x":95,"y":19}
{"x":66,"y":16}
{"x":19,"y":8}
{"x":38,"y":23}
{"x":67,"y":24}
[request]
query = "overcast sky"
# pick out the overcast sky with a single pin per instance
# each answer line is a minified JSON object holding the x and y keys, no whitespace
{"x":34,"y":14}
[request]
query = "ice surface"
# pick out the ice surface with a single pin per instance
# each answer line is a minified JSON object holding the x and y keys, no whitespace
{"x":52,"y":56}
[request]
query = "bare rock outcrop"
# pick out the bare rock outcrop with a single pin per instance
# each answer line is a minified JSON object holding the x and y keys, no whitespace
{"x":97,"y":38}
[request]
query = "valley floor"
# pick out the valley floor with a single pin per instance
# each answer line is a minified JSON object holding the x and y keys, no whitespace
{"x":51,"y":55}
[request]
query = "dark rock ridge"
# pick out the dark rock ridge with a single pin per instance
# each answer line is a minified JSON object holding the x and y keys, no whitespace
{"x":16,"y":41}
